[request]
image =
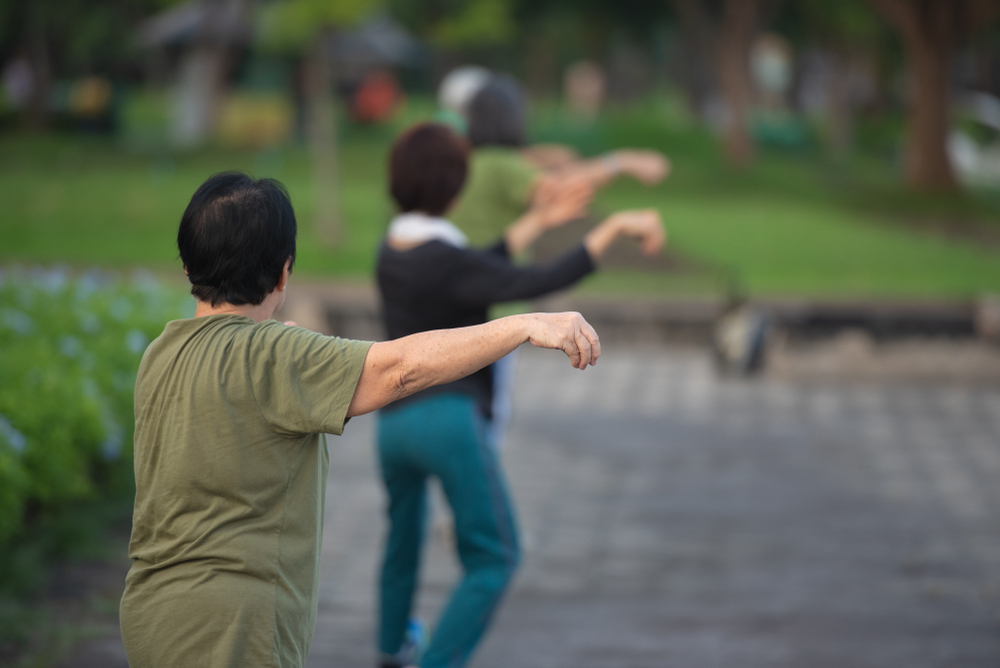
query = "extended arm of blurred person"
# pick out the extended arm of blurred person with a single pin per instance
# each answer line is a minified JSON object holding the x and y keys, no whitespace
{"x":550,"y":156}
{"x":563,"y":195}
{"x":556,"y":207}
{"x":399,"y":368}
{"x":649,"y":167}
{"x":643,"y":225}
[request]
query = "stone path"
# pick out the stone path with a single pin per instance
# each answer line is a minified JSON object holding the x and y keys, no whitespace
{"x":672,"y":518}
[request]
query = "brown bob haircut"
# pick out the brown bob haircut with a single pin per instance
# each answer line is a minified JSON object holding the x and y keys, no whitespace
{"x":427,"y":168}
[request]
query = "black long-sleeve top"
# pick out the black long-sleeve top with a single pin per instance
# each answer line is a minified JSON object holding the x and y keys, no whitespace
{"x":439,"y":286}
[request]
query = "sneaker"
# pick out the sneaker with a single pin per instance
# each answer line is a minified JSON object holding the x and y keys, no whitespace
{"x":413,"y":646}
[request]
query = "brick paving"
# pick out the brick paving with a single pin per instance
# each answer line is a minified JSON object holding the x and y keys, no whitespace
{"x":673,"y":518}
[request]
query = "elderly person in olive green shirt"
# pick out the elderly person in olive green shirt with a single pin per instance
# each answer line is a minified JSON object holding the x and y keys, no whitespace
{"x":505,"y":176}
{"x":231,"y":459}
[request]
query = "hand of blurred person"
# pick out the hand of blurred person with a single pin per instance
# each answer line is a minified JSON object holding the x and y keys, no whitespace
{"x":560,"y":198}
{"x":643,"y":225}
{"x":550,"y":157}
{"x":556,"y":201}
{"x":649,"y":167}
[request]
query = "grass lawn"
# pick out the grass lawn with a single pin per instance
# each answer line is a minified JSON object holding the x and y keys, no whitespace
{"x":85,"y":202}
{"x":795,"y":224}
{"x":790,"y":246}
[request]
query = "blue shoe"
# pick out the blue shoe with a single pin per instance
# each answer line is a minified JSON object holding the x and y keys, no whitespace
{"x":413,"y":646}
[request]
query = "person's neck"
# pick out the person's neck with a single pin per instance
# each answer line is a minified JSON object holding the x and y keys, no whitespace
{"x":256,"y":312}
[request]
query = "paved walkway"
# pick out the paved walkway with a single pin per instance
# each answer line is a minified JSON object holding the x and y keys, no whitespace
{"x":671,"y":518}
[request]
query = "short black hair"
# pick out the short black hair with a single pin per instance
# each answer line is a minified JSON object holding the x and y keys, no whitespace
{"x":496,"y":114}
{"x":427,"y":168}
{"x":235,"y":237}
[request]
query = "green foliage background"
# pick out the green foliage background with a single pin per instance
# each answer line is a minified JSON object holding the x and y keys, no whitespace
{"x":71,"y":349}
{"x":798,"y":223}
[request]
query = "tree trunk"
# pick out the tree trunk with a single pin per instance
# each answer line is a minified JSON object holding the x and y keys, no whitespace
{"x":839,"y":111}
{"x":928,"y":166}
{"x":540,"y":66}
{"x":198,"y":93}
{"x":738,"y":24}
{"x":41,"y":82}
{"x":697,"y":73}
{"x":930,"y":30}
{"x":204,"y":67}
{"x":321,"y":133}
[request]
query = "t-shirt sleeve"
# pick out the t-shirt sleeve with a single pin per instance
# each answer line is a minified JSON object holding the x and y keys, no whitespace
{"x":303,"y":382}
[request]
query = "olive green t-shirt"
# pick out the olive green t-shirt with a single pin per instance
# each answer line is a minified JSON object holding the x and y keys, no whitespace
{"x":496,"y":193}
{"x":231,"y":465}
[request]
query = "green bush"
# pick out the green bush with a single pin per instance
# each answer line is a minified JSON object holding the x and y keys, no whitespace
{"x":69,"y":351}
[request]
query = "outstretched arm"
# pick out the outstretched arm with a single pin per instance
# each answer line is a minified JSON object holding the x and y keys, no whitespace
{"x":550,"y":207}
{"x":642,"y":224}
{"x":482,"y":279}
{"x":397,"y":369}
{"x":649,"y":167}
{"x":563,"y":195}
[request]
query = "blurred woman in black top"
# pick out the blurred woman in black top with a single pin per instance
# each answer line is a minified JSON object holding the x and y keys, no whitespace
{"x":429,"y":278}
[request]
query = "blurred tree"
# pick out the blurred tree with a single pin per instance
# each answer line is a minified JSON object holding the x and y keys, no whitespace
{"x":478,"y":22}
{"x":736,"y":33}
{"x":307,"y":28}
{"x":553,"y":34}
{"x":931,"y":29}
{"x":698,"y":72}
{"x":544,"y":35}
{"x":210,"y":35}
{"x":846,"y":30}
{"x":457,"y":24}
{"x":65,"y":38}
{"x":726,"y":29}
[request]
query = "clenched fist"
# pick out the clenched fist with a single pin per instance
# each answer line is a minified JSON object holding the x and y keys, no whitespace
{"x":568,"y":332}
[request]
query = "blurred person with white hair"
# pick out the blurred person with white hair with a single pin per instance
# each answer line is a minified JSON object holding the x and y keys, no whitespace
{"x":506,"y":175}
{"x":456,"y":91}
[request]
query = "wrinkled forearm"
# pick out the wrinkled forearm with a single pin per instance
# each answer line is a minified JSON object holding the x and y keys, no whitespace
{"x":396,"y":369}
{"x":442,"y":356}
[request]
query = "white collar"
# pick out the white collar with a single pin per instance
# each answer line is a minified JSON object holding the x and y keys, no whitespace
{"x":415,"y":227}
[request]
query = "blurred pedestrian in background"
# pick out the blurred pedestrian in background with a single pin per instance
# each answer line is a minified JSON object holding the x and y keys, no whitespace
{"x":506,"y":175}
{"x":456,"y":91}
{"x":430,"y":277}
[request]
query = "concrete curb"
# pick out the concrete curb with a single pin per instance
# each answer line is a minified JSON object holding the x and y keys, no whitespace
{"x":352,"y":310}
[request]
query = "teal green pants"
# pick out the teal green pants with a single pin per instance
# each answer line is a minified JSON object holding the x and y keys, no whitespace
{"x":444,"y":436}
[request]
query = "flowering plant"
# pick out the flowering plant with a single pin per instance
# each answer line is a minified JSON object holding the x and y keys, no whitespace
{"x":69,"y":351}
